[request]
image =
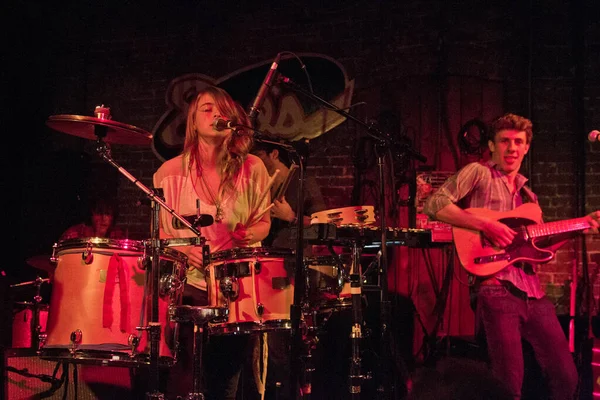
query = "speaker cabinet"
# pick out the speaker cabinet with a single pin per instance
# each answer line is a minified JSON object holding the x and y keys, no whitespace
{"x":26,"y":376}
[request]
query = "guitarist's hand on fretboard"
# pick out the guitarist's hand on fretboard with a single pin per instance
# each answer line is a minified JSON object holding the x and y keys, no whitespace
{"x":499,"y":234}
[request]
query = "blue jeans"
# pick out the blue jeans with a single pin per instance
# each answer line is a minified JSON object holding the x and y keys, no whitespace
{"x":508,"y":318}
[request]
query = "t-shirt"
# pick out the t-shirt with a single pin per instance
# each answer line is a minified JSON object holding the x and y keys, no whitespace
{"x":179,"y":186}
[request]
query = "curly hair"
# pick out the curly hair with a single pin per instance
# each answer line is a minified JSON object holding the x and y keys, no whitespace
{"x":511,"y":121}
{"x":235,"y":147}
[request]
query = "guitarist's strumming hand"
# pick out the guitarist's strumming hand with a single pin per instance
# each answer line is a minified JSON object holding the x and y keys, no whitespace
{"x":594,"y":219}
{"x":499,"y":234}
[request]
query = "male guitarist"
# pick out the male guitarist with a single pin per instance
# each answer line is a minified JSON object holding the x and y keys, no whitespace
{"x":510,"y":304}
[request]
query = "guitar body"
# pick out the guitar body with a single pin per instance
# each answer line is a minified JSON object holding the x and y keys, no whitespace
{"x":479,"y":257}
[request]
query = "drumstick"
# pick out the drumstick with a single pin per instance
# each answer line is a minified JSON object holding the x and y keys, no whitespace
{"x":252,"y":219}
{"x":271,"y":181}
{"x":260,"y":214}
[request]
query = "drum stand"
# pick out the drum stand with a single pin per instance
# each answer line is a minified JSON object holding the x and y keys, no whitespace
{"x":355,"y":377}
{"x":156,"y":201}
{"x":386,"y":143}
{"x":199,"y":316}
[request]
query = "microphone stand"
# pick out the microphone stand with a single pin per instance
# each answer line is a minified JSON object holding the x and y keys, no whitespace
{"x":390,"y":391}
{"x":156,"y":201}
{"x":296,"y":308}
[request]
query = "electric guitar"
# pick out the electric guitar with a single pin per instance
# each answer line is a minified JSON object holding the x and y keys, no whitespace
{"x":533,"y":242}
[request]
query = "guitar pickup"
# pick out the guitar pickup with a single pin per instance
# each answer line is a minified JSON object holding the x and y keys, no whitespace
{"x":492,"y":258}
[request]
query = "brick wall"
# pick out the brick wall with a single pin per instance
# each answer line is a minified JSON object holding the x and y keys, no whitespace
{"x":125,"y":56}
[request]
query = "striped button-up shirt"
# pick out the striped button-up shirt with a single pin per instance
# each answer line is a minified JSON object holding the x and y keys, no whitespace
{"x":484,"y":185}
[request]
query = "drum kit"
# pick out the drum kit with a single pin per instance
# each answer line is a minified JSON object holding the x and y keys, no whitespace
{"x":118,"y":302}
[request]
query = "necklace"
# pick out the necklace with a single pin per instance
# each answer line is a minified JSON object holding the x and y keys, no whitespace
{"x":219,"y":213}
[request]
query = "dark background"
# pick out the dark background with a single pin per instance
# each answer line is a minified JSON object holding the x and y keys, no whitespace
{"x":422,"y":68}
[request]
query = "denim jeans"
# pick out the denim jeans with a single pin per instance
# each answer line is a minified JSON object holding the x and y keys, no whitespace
{"x":506,"y":319}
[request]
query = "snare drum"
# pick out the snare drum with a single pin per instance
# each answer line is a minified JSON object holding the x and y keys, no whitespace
{"x":101,"y":293}
{"x":256,"y":284}
{"x":329,"y":281}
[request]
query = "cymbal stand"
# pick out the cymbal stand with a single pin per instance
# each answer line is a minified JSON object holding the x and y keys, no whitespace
{"x":385,"y":142}
{"x":356,"y":377}
{"x":156,"y":201}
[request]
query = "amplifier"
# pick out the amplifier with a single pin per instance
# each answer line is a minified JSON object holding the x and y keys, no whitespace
{"x":27,"y":376}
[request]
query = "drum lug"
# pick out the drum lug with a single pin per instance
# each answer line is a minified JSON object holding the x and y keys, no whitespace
{"x":133,"y":341}
{"x":257,"y":267}
{"x":166,"y":285}
{"x":75,"y":338}
{"x":87,"y":256}
{"x":229,"y":287}
{"x":260,"y":309}
{"x":42,"y":340}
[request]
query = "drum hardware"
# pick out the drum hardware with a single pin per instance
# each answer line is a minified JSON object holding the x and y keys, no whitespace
{"x":169,"y":285}
{"x":199,"y":316}
{"x":100,"y":127}
{"x":105,"y":131}
{"x":230,"y":288}
{"x":134,"y":342}
{"x":385,"y":144}
{"x":37,"y":336}
{"x":75,"y":338}
{"x":87,"y":256}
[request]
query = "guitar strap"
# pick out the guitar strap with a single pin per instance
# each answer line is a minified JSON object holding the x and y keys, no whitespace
{"x":527,"y":195}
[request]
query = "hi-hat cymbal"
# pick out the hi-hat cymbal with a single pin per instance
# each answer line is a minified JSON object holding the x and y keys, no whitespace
{"x":42,"y":262}
{"x":91,"y":128}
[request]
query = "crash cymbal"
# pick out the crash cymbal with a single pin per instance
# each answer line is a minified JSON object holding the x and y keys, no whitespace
{"x":42,"y":262}
{"x":93,"y":127}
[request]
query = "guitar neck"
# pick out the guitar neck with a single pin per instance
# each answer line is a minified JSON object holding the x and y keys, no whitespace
{"x":553,"y":228}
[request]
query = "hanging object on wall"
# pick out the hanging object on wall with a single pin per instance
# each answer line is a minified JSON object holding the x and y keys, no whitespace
{"x":284,"y":114}
{"x":472,"y":138}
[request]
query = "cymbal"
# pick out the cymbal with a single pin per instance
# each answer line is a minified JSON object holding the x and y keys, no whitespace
{"x":42,"y":262}
{"x":92,"y":128}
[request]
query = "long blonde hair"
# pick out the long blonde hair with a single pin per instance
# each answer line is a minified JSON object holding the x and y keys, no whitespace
{"x":235,"y":147}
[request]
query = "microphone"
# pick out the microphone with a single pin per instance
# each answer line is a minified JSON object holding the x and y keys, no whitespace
{"x":201,"y":221}
{"x":262,"y":91}
{"x":594,"y":136}
{"x":221,"y":124}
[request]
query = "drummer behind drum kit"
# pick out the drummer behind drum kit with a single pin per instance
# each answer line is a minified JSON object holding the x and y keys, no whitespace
{"x":118,"y":302}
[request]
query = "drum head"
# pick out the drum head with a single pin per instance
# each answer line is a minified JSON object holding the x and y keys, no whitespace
{"x":102,"y":243}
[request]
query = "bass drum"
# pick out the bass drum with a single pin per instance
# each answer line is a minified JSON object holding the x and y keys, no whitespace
{"x":101,"y":294}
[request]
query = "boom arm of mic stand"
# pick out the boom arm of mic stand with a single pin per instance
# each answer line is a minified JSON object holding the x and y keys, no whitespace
{"x":371,"y":130}
{"x":389,"y":388}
